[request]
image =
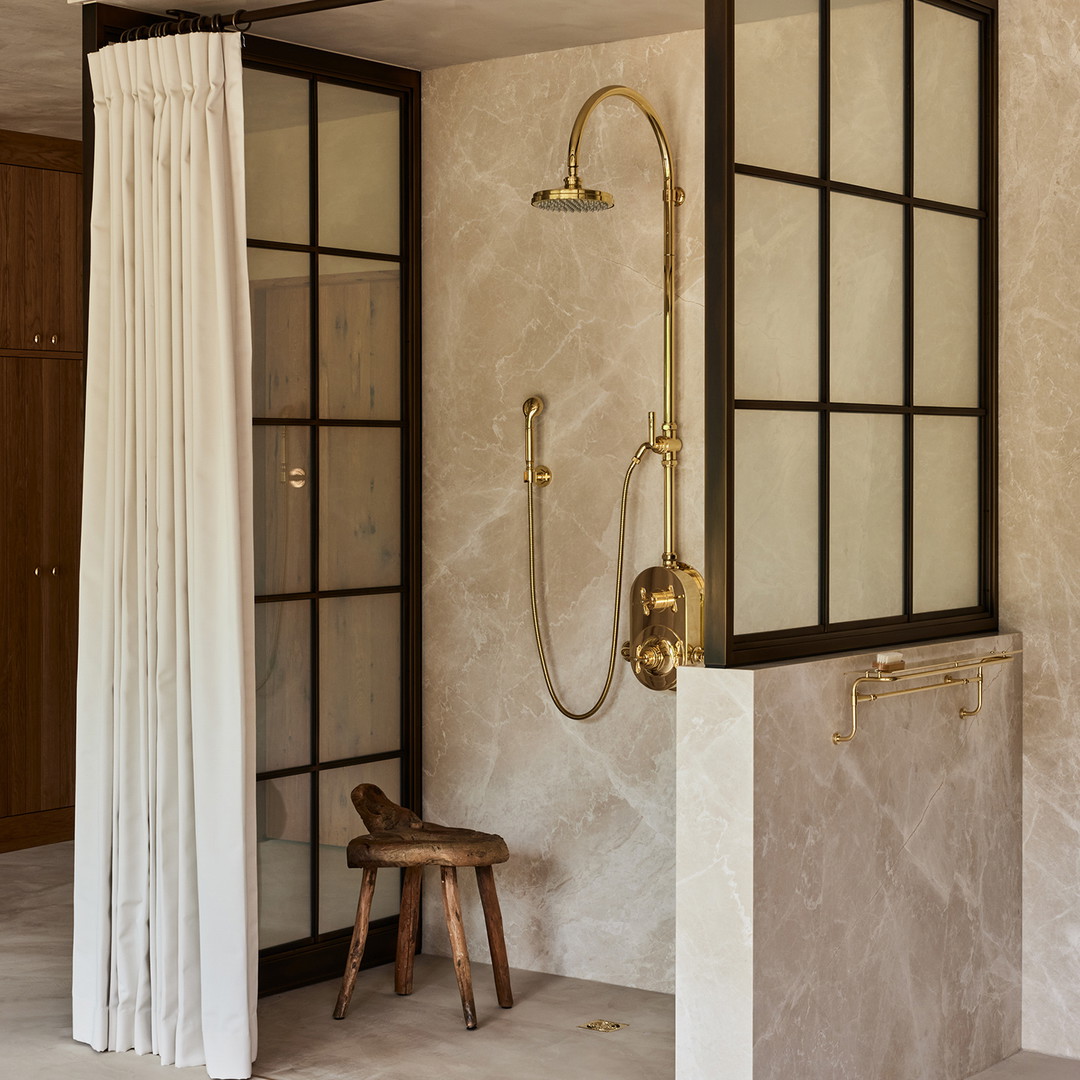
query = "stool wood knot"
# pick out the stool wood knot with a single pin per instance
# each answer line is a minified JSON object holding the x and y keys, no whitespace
{"x":397,"y":838}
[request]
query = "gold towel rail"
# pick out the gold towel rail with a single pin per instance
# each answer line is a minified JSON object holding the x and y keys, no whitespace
{"x":946,"y":669}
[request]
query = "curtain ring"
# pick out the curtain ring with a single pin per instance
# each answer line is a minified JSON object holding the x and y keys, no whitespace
{"x":239,"y":29}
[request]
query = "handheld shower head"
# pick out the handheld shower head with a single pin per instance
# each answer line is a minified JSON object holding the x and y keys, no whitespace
{"x":533,"y":406}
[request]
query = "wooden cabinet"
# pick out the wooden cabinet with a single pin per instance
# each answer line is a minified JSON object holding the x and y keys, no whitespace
{"x":41,"y":421}
{"x":41,"y":270}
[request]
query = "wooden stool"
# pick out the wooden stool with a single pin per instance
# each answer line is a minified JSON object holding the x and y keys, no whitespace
{"x":398,"y":838}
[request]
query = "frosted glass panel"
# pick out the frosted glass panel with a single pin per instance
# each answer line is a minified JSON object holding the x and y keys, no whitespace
{"x":283,"y":823}
{"x":946,"y":106}
{"x":867,"y":97}
{"x":866,"y":326}
{"x":359,"y":197}
{"x":359,"y":339}
{"x":339,"y":886}
{"x":359,"y":675}
{"x":360,"y":508}
{"x":280,"y":332}
{"x":776,"y":85}
{"x":946,"y":305}
{"x":866,"y":517}
{"x":282,"y":510}
{"x":276,"y":141}
{"x":776,"y":290}
{"x":946,"y":522}
{"x":776,"y":520}
{"x":283,"y":684}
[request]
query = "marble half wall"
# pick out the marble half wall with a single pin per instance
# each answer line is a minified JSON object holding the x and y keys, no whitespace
{"x":1040,"y":484}
{"x":567,"y":306}
{"x":885,"y":887}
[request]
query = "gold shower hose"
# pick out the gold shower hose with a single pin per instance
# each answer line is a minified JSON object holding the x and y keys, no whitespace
{"x":634,"y":463}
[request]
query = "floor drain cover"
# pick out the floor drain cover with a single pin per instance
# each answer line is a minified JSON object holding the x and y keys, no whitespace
{"x":603,"y":1025}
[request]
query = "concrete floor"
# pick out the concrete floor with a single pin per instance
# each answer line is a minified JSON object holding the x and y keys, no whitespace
{"x":384,"y":1037}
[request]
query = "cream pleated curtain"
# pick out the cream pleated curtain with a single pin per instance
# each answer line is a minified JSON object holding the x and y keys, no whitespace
{"x":165,"y":946}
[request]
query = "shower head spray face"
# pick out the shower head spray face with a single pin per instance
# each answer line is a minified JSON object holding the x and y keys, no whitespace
{"x":572,"y":197}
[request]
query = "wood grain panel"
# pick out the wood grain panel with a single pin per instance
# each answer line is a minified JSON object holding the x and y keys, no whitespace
{"x":33,"y":830}
{"x":40,"y":151}
{"x":20,"y":586}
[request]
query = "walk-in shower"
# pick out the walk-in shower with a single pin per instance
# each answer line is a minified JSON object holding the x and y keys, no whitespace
{"x":666,"y":600}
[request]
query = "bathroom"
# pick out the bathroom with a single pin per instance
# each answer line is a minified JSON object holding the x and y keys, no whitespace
{"x":520,"y":303}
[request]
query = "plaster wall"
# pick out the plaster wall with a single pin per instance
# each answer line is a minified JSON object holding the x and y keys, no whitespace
{"x":567,"y":306}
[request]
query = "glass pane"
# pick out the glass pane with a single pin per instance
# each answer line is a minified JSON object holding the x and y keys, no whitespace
{"x":776,"y":290}
{"x":776,"y":520}
{"x":282,"y":511}
{"x":946,"y":106}
{"x":946,"y":526}
{"x":866,"y":517}
{"x":339,"y":886}
{"x":283,"y":684}
{"x":283,"y":821}
{"x":359,"y":193}
{"x":280,"y":332}
{"x":946,"y":305}
{"x":359,"y":675}
{"x":360,"y":508}
{"x":866,"y":323}
{"x":276,"y":142}
{"x":776,"y":84}
{"x":359,"y":339}
{"x":867,"y":97}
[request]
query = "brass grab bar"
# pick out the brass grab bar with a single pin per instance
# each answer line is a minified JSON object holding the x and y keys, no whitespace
{"x":947,"y":670}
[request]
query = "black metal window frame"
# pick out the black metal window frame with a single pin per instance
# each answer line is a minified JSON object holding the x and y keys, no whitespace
{"x":723,"y":647}
{"x":303,"y":960}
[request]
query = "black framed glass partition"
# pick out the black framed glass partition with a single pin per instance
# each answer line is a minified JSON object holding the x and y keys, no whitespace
{"x":851,"y":329}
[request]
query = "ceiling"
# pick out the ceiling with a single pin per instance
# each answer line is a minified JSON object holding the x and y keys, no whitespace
{"x":41,"y":63}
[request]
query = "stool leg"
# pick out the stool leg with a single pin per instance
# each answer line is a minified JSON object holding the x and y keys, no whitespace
{"x":406,"y":935}
{"x":485,"y":882}
{"x":359,"y":939}
{"x":460,"y":950}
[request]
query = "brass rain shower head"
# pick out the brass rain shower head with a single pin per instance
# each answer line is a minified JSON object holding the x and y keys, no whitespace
{"x":572,"y":197}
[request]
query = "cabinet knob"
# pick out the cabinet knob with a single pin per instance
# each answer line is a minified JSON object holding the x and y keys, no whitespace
{"x":55,"y":571}
{"x":54,"y":339}
{"x":37,"y":339}
{"x":37,"y":571}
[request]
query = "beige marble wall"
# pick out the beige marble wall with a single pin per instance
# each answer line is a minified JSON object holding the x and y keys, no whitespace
{"x":884,"y":928}
{"x":520,"y":302}
{"x":1040,"y":484}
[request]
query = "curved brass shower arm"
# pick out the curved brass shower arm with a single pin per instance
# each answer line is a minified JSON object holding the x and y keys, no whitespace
{"x":650,"y":114}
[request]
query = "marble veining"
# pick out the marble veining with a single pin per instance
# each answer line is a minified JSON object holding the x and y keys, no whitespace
{"x":518,"y":303}
{"x":1040,"y":486}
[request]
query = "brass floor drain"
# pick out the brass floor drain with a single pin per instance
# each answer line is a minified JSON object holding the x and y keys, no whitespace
{"x":603,"y":1025}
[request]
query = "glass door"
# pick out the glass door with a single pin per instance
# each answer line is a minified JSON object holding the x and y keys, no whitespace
{"x":332,"y":239}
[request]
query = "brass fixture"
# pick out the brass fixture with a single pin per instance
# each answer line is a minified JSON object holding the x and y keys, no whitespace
{"x":603,"y":1025}
{"x":539,"y":478}
{"x":666,"y":621}
{"x":573,"y":195}
{"x":534,"y":474}
{"x":947,"y":670}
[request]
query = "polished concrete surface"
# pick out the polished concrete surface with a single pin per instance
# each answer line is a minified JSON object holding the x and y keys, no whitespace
{"x":384,"y":1037}
{"x":1029,"y":1066}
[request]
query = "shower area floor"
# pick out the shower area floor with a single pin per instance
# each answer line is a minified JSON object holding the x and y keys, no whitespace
{"x":384,"y":1037}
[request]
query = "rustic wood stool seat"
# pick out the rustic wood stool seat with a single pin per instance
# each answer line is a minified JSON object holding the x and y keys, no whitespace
{"x":399,"y":839}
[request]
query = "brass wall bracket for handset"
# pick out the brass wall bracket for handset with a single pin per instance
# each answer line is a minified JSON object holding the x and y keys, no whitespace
{"x":534,"y":474}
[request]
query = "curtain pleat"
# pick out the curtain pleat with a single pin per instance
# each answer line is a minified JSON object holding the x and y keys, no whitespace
{"x":165,"y":948}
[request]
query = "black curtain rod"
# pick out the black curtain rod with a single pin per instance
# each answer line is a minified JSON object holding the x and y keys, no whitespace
{"x":186,"y":22}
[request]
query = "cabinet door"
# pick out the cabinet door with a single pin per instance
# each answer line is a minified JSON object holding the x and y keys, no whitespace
{"x":41,"y":440}
{"x":61,"y":512}
{"x":40,"y":259}
{"x":21,"y":586}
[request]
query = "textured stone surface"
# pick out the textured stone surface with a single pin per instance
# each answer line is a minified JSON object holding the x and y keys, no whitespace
{"x":1040,"y":485}
{"x":520,"y":302}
